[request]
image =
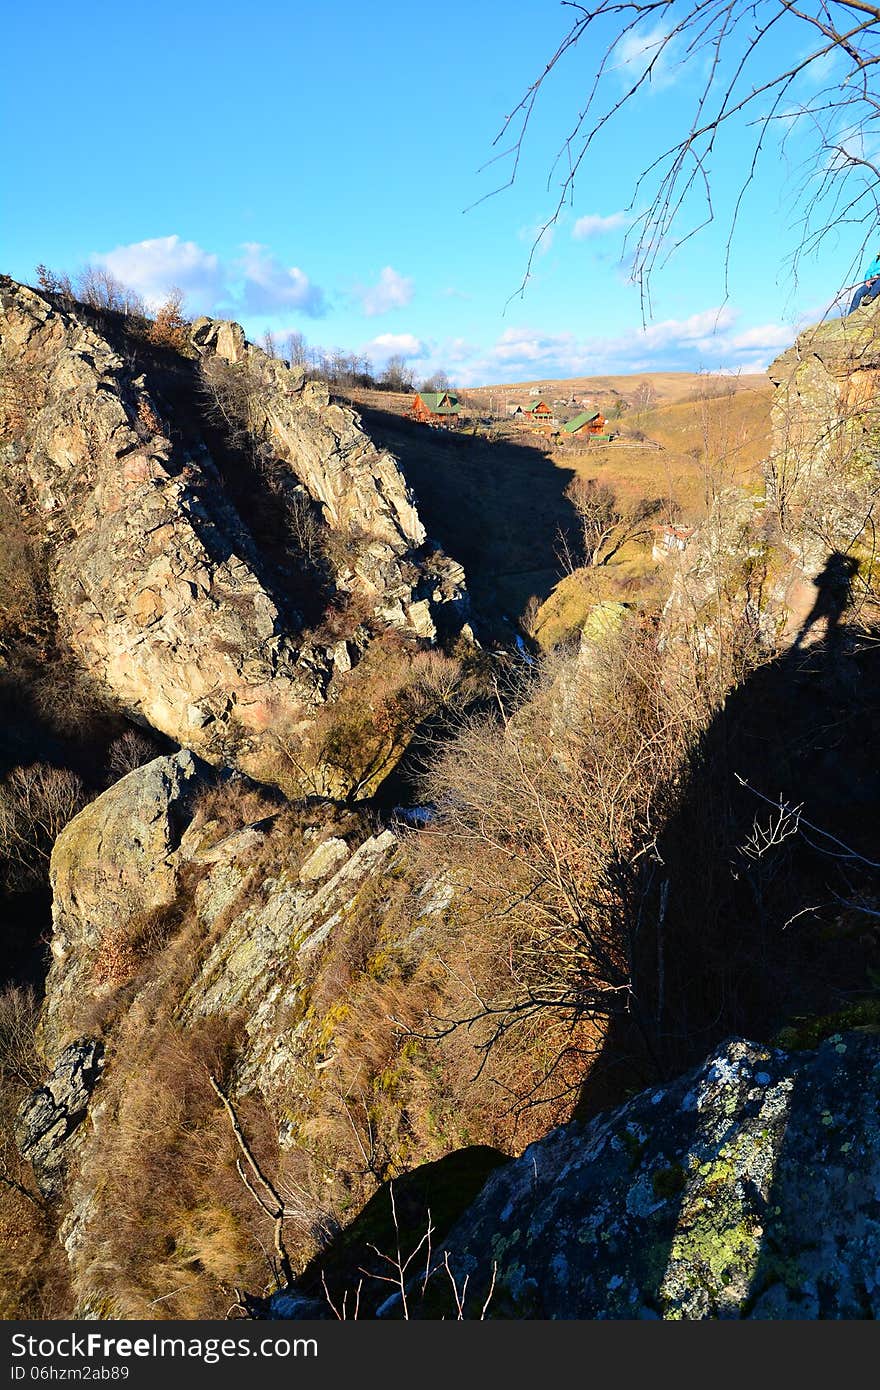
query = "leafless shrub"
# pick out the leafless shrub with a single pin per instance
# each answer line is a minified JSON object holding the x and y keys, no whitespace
{"x":605,"y":523}
{"x":130,"y":750}
{"x":231,"y":391}
{"x":549,"y":816}
{"x":36,"y":803}
{"x":529,"y":619}
{"x":19,"y":1011}
{"x":71,"y":700}
{"x":98,"y":288}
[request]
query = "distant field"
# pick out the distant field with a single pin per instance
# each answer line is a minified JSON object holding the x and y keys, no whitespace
{"x":602,"y":391}
{"x":726,"y":435}
{"x":492,"y":492}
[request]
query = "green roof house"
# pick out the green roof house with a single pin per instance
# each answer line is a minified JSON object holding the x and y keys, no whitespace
{"x":586,"y":423}
{"x":436,"y":407}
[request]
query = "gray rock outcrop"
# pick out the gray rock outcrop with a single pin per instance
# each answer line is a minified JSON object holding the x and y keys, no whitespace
{"x":112,"y":866}
{"x":53,"y":1114}
{"x":748,"y":1188}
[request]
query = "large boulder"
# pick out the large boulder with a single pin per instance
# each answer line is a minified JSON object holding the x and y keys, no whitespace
{"x":112,"y":866}
{"x":748,"y":1188}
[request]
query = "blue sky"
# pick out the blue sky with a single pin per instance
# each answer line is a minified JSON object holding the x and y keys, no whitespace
{"x":307,"y":168}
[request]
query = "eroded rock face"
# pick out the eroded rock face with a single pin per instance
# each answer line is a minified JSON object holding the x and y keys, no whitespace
{"x":52,"y":1115}
{"x":155,"y":578}
{"x":259,"y":966}
{"x":360,"y":489}
{"x":115,"y":862}
{"x":748,"y":1188}
{"x":826,"y":430}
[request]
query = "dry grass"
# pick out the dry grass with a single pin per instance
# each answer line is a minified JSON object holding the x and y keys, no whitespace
{"x":171,"y":1233}
{"x":348,"y":746}
{"x":731,"y":430}
{"x":33,"y":1268}
{"x":23,"y":581}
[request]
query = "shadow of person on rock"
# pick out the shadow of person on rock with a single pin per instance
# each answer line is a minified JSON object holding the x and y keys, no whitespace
{"x":833,"y":596}
{"x":754,"y":928}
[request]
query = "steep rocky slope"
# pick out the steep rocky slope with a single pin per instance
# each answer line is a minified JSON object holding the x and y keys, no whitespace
{"x":821,"y":472}
{"x":201,"y":930}
{"x":159,"y":587}
{"x":228,"y":962}
{"x":771,"y":554}
{"x":749,"y":1188}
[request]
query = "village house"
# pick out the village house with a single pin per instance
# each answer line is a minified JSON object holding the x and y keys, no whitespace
{"x":539,"y":411}
{"x":438,"y":408}
{"x":588,"y":423}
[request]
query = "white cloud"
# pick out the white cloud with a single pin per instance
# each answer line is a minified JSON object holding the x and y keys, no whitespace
{"x":395,"y":344}
{"x":152,"y":267}
{"x":254,"y":283}
{"x":593,"y":224}
{"x":393,"y":291}
{"x":767,"y":335}
{"x":269,"y":286}
{"x":711,"y":340}
{"x":539,"y":235}
{"x":641,"y":47}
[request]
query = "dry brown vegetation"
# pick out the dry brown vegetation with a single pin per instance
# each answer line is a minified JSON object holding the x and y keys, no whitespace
{"x":33,"y":1268}
{"x":351,"y":743}
{"x":23,"y":599}
{"x":36,"y":803}
{"x":170,"y":327}
{"x":549,"y":819}
{"x":175,"y":1230}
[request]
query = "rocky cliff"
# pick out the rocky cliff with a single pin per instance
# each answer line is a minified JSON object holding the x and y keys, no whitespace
{"x":760,"y":550}
{"x":200,"y":930}
{"x":822,"y":469}
{"x":160,"y":588}
{"x":748,"y":1188}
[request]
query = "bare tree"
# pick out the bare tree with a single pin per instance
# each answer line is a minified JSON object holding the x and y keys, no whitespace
{"x":607,"y":524}
{"x":99,"y":289}
{"x":770,"y":74}
{"x":296,"y":350}
{"x":644,"y":397}
{"x":437,"y":381}
{"x":398,"y":374}
{"x":547,"y":823}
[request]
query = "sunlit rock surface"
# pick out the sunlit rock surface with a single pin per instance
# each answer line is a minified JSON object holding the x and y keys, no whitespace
{"x":748,"y":1188}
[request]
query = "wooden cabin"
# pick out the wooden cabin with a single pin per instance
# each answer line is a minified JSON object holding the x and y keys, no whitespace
{"x":588,"y":423}
{"x":539,"y":410}
{"x":438,"y":408}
